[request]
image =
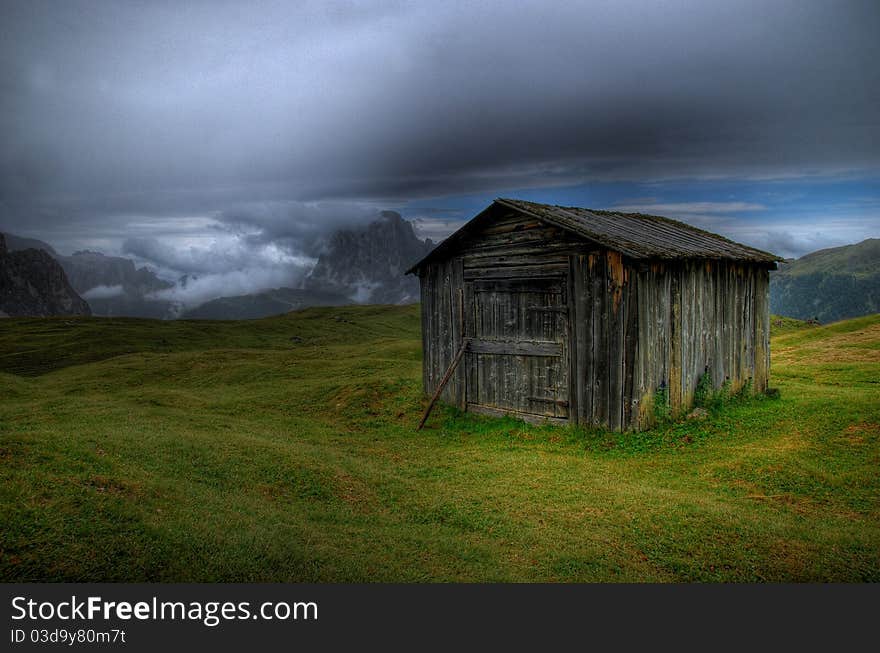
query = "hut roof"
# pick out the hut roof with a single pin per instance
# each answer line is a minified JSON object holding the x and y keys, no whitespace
{"x":635,"y":235}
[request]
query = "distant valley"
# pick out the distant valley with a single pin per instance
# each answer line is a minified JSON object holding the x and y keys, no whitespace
{"x":830,"y":284}
{"x":263,"y":304}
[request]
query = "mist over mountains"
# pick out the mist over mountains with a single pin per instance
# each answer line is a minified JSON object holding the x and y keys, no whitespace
{"x":368,"y":265}
{"x":113,"y":286}
{"x":356,"y":264}
{"x":365,"y":265}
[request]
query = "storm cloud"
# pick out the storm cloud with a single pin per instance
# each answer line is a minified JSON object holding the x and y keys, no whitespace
{"x":272,"y":122}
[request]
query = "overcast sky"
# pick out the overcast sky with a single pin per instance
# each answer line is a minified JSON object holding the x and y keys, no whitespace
{"x":186,"y":132}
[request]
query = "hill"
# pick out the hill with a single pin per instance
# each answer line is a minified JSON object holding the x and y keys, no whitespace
{"x":285,"y":449}
{"x":830,"y":284}
{"x":264,"y":304}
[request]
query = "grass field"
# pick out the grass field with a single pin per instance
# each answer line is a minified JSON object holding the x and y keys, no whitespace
{"x":284,"y":450}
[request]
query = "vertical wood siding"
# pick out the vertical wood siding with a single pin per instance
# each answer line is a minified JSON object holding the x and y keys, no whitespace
{"x":605,"y":337}
{"x":695,"y":318}
{"x":441,"y":285}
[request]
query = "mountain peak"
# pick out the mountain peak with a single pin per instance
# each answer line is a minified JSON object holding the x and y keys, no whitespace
{"x":32,"y":283}
{"x":367,"y":265}
{"x":15,"y":243}
{"x":394,"y":216}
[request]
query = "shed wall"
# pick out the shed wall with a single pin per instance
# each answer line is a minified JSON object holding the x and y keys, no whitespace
{"x":605,"y":339}
{"x":510,"y":246}
{"x":700,"y":317}
{"x":441,"y":286}
{"x":635,"y":327}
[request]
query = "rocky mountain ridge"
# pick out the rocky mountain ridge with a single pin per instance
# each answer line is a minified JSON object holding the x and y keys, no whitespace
{"x":112,"y":285}
{"x":34,"y":284}
{"x":367,"y":264}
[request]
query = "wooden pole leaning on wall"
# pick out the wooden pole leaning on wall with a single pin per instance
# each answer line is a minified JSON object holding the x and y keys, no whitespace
{"x":444,"y":381}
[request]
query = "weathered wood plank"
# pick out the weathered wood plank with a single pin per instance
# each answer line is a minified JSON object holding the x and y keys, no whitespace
{"x":599,"y":282}
{"x":515,"y":347}
{"x":675,"y":340}
{"x":513,"y":238}
{"x":512,"y":260}
{"x":615,"y":319}
{"x":546,"y":250}
{"x":457,"y":290}
{"x":527,"y":271}
{"x":630,"y":398}
{"x":551,"y":285}
{"x":526,"y":417}
{"x":506,"y":226}
{"x":426,"y":322}
{"x":549,"y":400}
{"x":571,"y":341}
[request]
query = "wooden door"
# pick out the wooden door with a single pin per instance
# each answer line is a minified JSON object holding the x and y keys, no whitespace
{"x":517,"y":359}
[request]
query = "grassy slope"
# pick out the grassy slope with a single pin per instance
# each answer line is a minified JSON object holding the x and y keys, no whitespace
{"x":781,"y":325}
{"x":141,"y":450}
{"x":859,"y":259}
{"x":830,"y":284}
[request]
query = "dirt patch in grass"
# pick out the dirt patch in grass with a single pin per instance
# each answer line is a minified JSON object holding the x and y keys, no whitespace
{"x":856,"y":434}
{"x":112,"y":486}
{"x":851,"y":347}
{"x":355,"y":492}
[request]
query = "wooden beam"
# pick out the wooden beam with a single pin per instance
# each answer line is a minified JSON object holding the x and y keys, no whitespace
{"x":443,"y":382}
{"x":524,"y":271}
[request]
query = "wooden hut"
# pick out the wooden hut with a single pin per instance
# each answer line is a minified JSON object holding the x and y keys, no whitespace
{"x":590,"y":317}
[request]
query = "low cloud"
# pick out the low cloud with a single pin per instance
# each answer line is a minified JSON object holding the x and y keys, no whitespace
{"x":768,"y":231}
{"x":103,"y":292}
{"x":246,"y":249}
{"x":213,"y":253}
{"x":294,"y":226}
{"x":220,"y":264}
{"x":198,"y":290}
{"x":793,"y":241}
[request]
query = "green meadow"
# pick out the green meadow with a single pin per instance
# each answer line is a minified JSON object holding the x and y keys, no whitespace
{"x":285,"y":449}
